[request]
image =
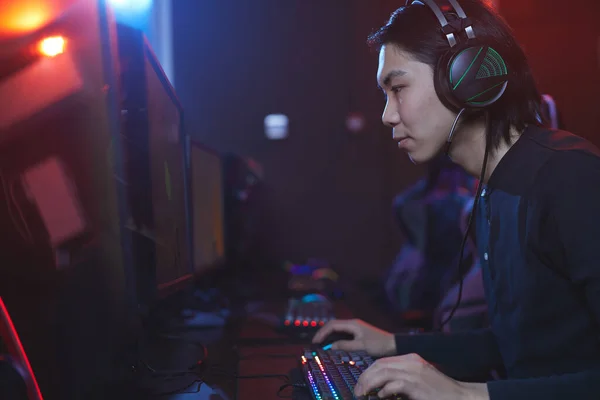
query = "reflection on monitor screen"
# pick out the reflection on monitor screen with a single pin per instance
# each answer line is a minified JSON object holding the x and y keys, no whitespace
{"x":168,"y":184}
{"x":207,"y":204}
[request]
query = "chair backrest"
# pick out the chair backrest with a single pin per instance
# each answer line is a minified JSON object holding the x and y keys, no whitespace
{"x":550,"y":112}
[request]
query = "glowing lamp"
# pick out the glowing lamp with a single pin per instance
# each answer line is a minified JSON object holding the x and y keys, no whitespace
{"x":52,"y":46}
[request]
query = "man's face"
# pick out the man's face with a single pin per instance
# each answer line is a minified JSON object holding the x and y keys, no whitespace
{"x":420,"y":121}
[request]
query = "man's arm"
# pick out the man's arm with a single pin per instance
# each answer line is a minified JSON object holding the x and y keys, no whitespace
{"x":575,"y":210}
{"x":460,"y":355}
{"x":581,"y":386}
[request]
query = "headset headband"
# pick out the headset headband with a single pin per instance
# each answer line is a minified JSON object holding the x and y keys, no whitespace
{"x":452,"y":27}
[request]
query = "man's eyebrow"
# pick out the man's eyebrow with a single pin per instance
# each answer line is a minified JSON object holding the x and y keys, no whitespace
{"x":391,"y":75}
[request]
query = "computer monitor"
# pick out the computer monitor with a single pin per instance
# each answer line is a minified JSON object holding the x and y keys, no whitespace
{"x":157,"y":170}
{"x":66,"y":273}
{"x":208,"y":230}
{"x":169,"y":189}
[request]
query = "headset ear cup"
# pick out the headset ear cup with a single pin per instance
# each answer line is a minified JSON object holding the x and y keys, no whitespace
{"x":477,"y":76}
{"x":442,"y":82}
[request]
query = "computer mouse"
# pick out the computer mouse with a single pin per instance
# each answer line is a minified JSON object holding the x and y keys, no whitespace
{"x":334,"y":337}
{"x":314,"y":298}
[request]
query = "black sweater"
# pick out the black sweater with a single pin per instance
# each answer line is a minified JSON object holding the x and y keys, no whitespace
{"x":538,"y":236}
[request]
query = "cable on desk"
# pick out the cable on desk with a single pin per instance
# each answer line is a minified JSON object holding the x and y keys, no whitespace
{"x":268,"y":355}
{"x":217,"y":368}
{"x":258,"y":376}
{"x":185,"y":340}
{"x":170,"y":373}
{"x":183,"y":389}
{"x":263,"y":376}
{"x":286,"y":378}
{"x":165,"y":375}
{"x":287,"y":385}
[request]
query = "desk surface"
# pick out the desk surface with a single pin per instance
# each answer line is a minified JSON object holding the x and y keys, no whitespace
{"x":270,"y":359}
{"x":235,"y":355}
{"x":266,"y":360}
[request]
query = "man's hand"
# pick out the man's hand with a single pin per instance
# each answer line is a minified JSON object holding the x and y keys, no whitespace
{"x":415,"y":378}
{"x":376,"y":342}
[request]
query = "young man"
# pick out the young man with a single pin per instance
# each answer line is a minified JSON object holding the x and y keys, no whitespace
{"x":537,"y":214}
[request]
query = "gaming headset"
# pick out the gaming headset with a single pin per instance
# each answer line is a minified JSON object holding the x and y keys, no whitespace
{"x":471,"y":74}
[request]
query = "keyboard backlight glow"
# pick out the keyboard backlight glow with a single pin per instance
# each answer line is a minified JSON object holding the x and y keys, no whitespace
{"x":333,"y":391}
{"x":318,"y":360}
{"x":314,"y":386}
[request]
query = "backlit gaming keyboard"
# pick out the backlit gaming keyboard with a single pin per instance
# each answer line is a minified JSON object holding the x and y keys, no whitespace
{"x":307,"y":316}
{"x":332,"y":374}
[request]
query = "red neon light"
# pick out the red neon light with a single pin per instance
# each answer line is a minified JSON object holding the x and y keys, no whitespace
{"x":15,"y":349}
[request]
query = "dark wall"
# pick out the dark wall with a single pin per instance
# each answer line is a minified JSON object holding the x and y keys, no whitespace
{"x":328,"y":192}
{"x":563,"y":46}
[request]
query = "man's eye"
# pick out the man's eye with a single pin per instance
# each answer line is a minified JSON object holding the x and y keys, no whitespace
{"x":397,"y":89}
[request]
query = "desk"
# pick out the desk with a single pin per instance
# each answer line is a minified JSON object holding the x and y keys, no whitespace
{"x":279,"y":357}
{"x":266,"y":360}
{"x":246,"y":347}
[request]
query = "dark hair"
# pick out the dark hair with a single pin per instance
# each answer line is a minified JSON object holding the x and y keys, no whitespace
{"x":416,"y":30}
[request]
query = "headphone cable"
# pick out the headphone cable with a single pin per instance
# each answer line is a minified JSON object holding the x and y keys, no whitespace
{"x":461,"y":274}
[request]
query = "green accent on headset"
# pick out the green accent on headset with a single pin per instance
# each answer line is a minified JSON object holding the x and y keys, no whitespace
{"x":467,"y":70}
{"x":480,"y":93}
{"x":492,"y":65}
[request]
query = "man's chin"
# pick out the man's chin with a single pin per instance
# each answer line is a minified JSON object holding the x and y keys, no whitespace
{"x":415,"y":159}
{"x":422,"y":157}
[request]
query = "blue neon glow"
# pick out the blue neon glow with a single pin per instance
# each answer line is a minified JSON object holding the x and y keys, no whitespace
{"x":333,"y":392}
{"x":335,"y":395}
{"x":134,"y":13}
{"x":134,"y":6}
{"x":314,"y":386}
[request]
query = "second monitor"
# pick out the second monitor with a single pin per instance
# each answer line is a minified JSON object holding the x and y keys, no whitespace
{"x":207,"y":192}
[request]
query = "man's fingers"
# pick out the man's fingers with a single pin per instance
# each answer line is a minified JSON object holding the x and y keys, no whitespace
{"x":332,"y":326}
{"x":347,"y":345}
{"x":372,"y":379}
{"x":323,"y":332}
{"x":392,"y":388}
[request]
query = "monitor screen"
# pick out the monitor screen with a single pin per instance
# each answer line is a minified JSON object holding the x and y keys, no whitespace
{"x":167,"y":161}
{"x":207,"y":208}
